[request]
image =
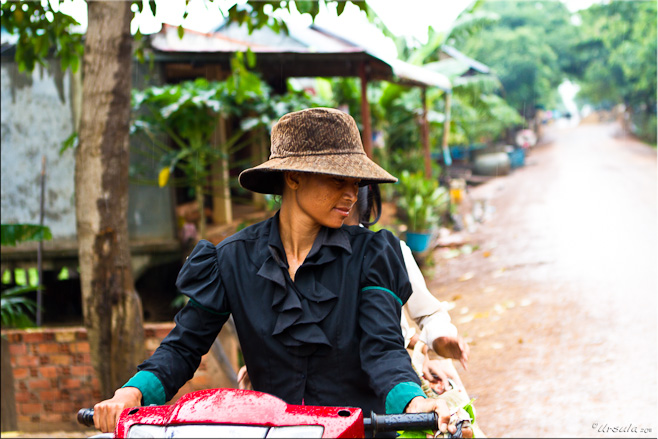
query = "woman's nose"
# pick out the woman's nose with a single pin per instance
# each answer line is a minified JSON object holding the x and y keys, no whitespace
{"x":352,"y":192}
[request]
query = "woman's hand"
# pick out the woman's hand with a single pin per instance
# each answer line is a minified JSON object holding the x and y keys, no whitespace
{"x":437,"y":377}
{"x":426,"y":405}
{"x":243,"y":379}
{"x":452,"y":347}
{"x":106,"y":413}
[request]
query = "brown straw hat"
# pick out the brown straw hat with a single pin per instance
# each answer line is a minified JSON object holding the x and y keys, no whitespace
{"x":315,"y":140}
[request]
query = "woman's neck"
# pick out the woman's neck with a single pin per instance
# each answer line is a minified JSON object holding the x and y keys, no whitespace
{"x":298,"y":233}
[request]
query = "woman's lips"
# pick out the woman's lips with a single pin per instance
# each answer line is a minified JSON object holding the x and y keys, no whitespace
{"x":345,"y":211}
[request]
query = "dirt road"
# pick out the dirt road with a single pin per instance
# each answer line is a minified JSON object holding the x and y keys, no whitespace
{"x":559,"y":300}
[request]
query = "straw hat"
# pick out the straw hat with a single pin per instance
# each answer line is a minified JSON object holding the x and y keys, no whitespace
{"x":316,"y":140}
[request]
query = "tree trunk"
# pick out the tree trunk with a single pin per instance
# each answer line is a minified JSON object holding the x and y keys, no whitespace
{"x":111,"y":307}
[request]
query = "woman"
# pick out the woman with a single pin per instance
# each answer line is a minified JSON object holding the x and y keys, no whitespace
{"x":316,"y":305}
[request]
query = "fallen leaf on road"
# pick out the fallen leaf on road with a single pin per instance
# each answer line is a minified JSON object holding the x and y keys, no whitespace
{"x":466,"y":276}
{"x":520,"y":341}
{"x":486,"y":254}
{"x":499,"y":272}
{"x":499,"y":309}
{"x":466,"y":319}
{"x":481,"y":315}
{"x":497,"y":345}
{"x":489,"y":289}
{"x":509,"y":304}
{"x":450,"y":253}
{"x":526,"y":302}
{"x":456,"y":297}
{"x":466,"y":249}
{"x":464,"y":310}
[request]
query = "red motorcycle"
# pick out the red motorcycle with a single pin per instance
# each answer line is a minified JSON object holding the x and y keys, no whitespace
{"x":233,"y":413}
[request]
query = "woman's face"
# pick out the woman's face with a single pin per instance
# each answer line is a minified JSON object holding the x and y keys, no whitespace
{"x":325,"y":199}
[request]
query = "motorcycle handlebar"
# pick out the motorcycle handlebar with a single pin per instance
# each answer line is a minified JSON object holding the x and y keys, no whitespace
{"x":404,"y":421}
{"x":86,"y":417}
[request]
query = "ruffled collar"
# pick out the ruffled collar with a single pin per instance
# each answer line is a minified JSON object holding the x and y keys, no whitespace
{"x":301,"y":305}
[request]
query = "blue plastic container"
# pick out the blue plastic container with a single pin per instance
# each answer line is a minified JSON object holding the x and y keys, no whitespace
{"x":516,"y":157}
{"x":418,"y":242}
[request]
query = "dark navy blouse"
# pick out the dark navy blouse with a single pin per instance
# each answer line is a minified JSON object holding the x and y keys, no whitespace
{"x":332,"y":337}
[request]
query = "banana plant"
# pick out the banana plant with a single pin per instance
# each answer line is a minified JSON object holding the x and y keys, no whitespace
{"x":420,"y":202}
{"x":15,"y":308}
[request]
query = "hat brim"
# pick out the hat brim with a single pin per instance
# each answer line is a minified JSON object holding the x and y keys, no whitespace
{"x":266,"y":177}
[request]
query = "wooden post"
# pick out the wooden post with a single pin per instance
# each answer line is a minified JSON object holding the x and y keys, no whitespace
{"x":259,"y":155}
{"x":365,"y":111}
{"x":9,"y":418}
{"x":222,"y":212}
{"x":425,"y":137}
{"x":446,"y":128}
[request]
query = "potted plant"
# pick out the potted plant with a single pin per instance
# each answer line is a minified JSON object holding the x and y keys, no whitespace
{"x":420,"y":204}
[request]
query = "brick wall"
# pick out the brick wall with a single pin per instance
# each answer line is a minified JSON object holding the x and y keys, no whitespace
{"x":54,"y":378}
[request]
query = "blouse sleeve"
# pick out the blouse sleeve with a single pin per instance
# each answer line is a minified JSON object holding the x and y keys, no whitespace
{"x":200,"y":279}
{"x":177,"y":358}
{"x":384,"y":289}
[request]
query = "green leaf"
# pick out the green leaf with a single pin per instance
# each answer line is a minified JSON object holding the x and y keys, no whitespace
{"x":70,"y":142}
{"x":181,"y":31}
{"x":251,"y":58}
{"x":13,"y":234}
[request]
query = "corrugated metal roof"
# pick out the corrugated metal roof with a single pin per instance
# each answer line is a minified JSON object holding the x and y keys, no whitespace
{"x":307,"y":51}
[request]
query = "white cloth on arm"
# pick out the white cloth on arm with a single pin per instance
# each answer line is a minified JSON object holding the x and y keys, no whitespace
{"x":427,"y":311}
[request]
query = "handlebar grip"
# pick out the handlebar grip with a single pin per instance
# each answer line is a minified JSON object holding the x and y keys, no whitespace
{"x":403,"y":421}
{"x":86,"y":417}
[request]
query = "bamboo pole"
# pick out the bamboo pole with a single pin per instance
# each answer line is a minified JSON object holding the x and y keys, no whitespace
{"x":425,"y":137}
{"x":446,"y":130}
{"x":39,"y":320}
{"x":365,"y":111}
{"x":222,"y":212}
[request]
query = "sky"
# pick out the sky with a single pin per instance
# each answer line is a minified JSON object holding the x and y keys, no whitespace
{"x":412,"y":20}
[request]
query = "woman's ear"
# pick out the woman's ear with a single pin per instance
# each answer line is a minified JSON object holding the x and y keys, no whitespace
{"x":291,"y":179}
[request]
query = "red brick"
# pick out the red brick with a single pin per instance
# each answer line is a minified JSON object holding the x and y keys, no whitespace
{"x":65,"y":336}
{"x":40,"y":383}
{"x":65,"y":407}
{"x":44,"y":359}
{"x":27,"y":360}
{"x":21,"y":373}
{"x":81,"y":334}
{"x":13,"y":336}
{"x":49,"y":371}
{"x":29,"y":408}
{"x":47,"y":348}
{"x":49,"y":336}
{"x":162,"y":333}
{"x":17,"y":349}
{"x":33,"y":337}
{"x":52,"y":417}
{"x":60,"y":359}
{"x":23,"y":397}
{"x":22,"y":419}
{"x":81,"y":347}
{"x":80,"y":371}
{"x":50,"y":395}
{"x":34,"y":371}
{"x":71,"y":383}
